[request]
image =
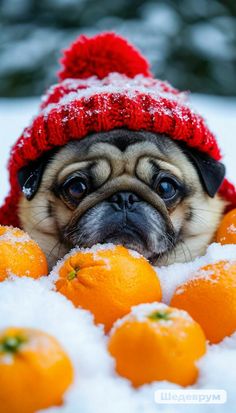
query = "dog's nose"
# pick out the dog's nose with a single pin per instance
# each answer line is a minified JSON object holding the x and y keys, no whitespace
{"x":124,"y":200}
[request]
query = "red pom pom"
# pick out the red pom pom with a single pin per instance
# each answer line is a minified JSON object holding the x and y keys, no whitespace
{"x":101,"y":55}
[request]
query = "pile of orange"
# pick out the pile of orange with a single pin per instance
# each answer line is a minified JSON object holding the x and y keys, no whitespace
{"x":34,"y":371}
{"x":151,"y":342}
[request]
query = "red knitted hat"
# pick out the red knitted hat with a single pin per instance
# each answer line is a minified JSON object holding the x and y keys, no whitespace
{"x":105,"y":84}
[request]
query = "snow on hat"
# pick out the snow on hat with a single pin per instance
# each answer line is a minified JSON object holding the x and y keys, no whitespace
{"x":105,"y":83}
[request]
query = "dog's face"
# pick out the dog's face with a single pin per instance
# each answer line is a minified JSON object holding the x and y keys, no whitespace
{"x":132,"y":188}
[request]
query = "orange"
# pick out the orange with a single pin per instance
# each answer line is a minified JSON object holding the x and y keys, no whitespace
{"x":157,"y":342}
{"x":34,"y":371}
{"x":210,"y":298}
{"x":20,"y":255}
{"x":226,"y":233}
{"x":108,"y":282}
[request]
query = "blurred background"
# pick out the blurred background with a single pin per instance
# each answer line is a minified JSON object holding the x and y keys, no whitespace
{"x":192,"y":43}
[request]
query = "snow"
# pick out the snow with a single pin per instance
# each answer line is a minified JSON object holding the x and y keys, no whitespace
{"x":231,"y":229}
{"x":117,"y":84}
{"x":34,"y":303}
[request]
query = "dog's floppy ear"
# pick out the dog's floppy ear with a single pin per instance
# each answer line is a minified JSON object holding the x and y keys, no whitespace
{"x":211,"y":172}
{"x":30,"y":176}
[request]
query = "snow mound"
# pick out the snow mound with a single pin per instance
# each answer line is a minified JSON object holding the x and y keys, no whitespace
{"x":97,"y":388}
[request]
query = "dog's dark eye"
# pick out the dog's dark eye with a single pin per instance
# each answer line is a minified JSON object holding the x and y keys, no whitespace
{"x":74,"y":189}
{"x":167,"y":188}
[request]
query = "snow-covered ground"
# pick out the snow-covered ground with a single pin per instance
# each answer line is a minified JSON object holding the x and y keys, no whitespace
{"x":25,"y":302}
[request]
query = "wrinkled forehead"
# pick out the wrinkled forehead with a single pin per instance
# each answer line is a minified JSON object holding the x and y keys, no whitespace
{"x":118,"y":152}
{"x":124,"y":141}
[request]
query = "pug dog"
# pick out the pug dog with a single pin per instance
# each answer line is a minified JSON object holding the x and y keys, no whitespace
{"x":134,"y":188}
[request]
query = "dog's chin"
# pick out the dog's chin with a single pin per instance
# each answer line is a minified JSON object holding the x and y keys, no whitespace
{"x":133,"y":242}
{"x":135,"y":231}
